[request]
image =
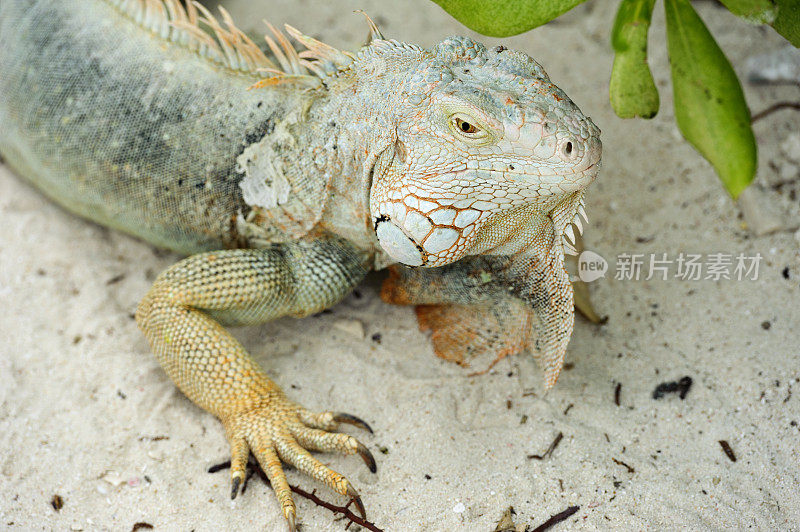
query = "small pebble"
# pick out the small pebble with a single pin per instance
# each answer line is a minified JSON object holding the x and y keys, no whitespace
{"x":112,"y":478}
{"x":459,"y":508}
{"x":157,"y":456}
{"x":352,"y":327}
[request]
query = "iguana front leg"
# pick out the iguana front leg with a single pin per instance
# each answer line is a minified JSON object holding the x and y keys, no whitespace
{"x":181,"y":316}
{"x":492,"y":304}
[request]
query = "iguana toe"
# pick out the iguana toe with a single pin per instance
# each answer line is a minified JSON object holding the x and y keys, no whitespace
{"x":333,"y":442}
{"x":240,"y":452}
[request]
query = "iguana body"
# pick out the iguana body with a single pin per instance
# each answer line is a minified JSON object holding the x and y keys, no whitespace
{"x":465,"y":161}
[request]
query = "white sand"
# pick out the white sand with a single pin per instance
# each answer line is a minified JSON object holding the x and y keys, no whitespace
{"x":81,"y":398}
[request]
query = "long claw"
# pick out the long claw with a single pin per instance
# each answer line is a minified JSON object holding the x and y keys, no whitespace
{"x":290,"y":519}
{"x":353,"y":494}
{"x":235,"y":487}
{"x":350,"y":419}
{"x":365,"y":455}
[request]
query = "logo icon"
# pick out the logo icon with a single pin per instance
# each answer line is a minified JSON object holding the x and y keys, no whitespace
{"x":591,"y":266}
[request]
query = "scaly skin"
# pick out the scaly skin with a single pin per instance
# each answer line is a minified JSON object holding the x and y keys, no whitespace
{"x":464,"y":161}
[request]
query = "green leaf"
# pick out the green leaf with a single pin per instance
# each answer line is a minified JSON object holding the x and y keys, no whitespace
{"x":754,"y":11}
{"x":787,"y":23}
{"x":632,"y":90}
{"x":709,"y":104}
{"x":503,"y":18}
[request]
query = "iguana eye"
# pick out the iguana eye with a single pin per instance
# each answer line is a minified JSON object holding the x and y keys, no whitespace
{"x":465,"y":126}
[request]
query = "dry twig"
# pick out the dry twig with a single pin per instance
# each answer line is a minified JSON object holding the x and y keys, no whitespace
{"x":254,"y":467}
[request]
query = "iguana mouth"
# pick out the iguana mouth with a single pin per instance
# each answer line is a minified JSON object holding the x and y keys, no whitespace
{"x":542,"y":226}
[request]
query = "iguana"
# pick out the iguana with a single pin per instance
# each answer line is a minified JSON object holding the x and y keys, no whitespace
{"x":286,"y":176}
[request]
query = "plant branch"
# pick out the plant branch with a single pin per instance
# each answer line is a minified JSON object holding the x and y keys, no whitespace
{"x":775,"y":107}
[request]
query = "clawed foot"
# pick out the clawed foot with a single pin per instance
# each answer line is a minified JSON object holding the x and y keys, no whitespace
{"x":285,"y":432}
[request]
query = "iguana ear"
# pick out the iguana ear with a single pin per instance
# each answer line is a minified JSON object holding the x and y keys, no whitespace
{"x":381,"y":156}
{"x":383,"y":161}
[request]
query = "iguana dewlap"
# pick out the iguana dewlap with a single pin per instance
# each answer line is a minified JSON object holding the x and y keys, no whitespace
{"x":463,"y":167}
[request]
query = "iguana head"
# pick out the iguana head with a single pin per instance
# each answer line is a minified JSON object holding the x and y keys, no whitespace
{"x":485,"y":155}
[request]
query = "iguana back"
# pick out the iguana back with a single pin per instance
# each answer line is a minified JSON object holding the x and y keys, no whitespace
{"x":115,"y":125}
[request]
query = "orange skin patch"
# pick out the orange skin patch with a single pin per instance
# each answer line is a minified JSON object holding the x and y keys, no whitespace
{"x":461,"y":332}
